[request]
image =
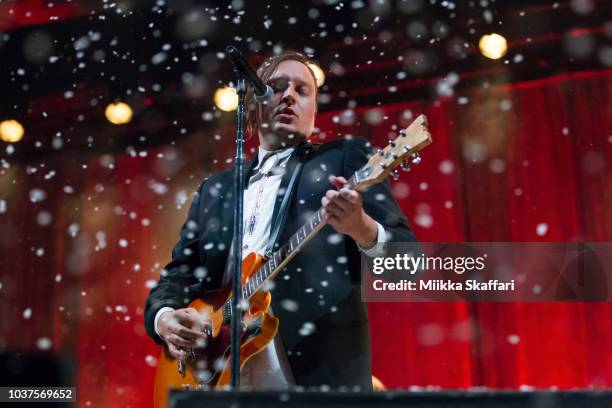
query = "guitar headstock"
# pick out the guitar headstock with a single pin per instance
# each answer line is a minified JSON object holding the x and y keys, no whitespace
{"x":404,"y":150}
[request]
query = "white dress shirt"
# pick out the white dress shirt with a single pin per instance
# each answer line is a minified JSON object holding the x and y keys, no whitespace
{"x":268,"y":369}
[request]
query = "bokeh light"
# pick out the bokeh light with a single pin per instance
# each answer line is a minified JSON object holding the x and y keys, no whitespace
{"x":226,"y":99}
{"x":319,"y":74}
{"x":493,"y":46}
{"x":11,"y":131}
{"x":119,"y":113}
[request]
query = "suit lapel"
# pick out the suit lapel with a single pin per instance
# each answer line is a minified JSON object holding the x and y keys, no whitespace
{"x":248,"y":168}
{"x":295,"y":158}
{"x":228,"y":202}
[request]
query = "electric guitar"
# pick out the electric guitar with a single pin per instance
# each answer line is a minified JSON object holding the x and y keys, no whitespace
{"x":209,"y":367}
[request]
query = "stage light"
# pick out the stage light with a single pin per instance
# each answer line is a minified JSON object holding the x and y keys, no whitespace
{"x":11,"y":131}
{"x":119,"y":113}
{"x":226,"y":99}
{"x":319,"y":74}
{"x":493,"y":46}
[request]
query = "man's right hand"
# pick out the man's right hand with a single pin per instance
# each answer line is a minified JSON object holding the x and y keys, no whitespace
{"x":182,"y":329}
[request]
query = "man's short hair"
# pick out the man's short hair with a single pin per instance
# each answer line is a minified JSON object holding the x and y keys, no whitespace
{"x":265,"y":71}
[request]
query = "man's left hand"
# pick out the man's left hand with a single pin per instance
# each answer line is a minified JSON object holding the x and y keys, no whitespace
{"x":343,"y":209}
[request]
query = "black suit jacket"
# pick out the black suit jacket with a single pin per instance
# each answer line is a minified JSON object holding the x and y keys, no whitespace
{"x":323,"y":322}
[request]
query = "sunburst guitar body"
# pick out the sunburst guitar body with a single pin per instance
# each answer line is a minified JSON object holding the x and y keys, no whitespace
{"x":210,"y":367}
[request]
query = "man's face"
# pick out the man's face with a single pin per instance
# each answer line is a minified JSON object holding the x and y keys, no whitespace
{"x":289,"y":116}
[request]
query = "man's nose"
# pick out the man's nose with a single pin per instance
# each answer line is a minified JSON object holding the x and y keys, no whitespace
{"x":288,"y":94}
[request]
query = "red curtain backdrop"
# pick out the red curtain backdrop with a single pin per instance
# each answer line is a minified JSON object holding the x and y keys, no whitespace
{"x":84,"y":236}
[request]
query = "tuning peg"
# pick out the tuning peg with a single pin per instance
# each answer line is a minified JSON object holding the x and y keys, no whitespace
{"x":402,"y":133}
{"x":395,"y":175}
{"x":380,"y":152}
{"x":392,"y":143}
{"x":416,"y":158}
{"x":405,"y":166}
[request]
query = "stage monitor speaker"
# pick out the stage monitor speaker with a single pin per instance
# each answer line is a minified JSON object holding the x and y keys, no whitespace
{"x":438,"y":399}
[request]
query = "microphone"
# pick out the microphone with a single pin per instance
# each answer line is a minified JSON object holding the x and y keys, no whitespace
{"x":263,"y":92}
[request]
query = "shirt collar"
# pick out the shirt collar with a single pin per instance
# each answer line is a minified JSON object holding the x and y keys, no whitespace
{"x":282,"y":153}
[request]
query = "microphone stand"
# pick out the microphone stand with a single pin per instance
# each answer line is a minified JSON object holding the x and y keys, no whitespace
{"x":236,"y":315}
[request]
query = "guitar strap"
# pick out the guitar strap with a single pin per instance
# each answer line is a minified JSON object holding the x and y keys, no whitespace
{"x":276,"y":225}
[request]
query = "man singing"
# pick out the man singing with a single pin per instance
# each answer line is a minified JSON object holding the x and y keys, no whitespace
{"x":323,"y":337}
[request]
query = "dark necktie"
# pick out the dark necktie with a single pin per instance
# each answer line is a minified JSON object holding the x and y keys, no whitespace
{"x":269,"y":161}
